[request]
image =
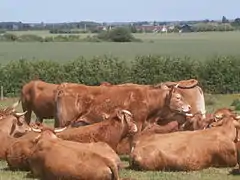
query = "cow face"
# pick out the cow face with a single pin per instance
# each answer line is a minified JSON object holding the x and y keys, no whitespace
{"x":19,"y":125}
{"x":127,"y":118}
{"x":176,"y":102}
{"x":224,"y":120}
{"x":225,"y":112}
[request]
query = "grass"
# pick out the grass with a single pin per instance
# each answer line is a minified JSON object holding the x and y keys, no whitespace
{"x":196,"y":45}
{"x":217,"y":101}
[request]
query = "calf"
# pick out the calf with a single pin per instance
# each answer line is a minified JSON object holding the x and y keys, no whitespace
{"x":50,"y":160}
{"x":189,"y":150}
{"x":112,"y":130}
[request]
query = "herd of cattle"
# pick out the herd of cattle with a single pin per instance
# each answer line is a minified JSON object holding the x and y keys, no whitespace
{"x":161,"y":127}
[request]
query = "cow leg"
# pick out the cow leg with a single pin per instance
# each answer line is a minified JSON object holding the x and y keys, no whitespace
{"x":39,"y":120}
{"x":27,"y":115}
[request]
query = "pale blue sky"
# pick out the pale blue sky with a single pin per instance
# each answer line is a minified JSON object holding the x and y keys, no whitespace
{"x":112,"y":10}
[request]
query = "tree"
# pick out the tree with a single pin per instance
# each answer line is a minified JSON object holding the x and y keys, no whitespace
{"x":119,"y":34}
{"x":225,"y":20}
{"x":236,"y":22}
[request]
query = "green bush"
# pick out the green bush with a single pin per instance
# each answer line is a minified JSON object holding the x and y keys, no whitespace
{"x":30,"y":37}
{"x":119,"y":34}
{"x":8,"y":37}
{"x":235,"y":102}
{"x":219,"y":74}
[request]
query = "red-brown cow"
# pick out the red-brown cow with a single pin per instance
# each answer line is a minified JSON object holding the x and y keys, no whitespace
{"x":189,"y":150}
{"x":111,"y":131}
{"x":12,"y":125}
{"x":50,"y":160}
{"x":38,"y":96}
{"x":91,"y":104}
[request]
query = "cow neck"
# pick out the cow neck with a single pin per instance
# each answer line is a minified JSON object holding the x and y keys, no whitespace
{"x":156,"y":99}
{"x":7,"y":125}
{"x":230,"y":130}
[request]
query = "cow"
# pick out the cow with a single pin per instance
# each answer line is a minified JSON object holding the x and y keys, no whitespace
{"x":19,"y":150}
{"x":53,"y":158}
{"x":192,"y":94}
{"x":12,"y":125}
{"x":197,"y":122}
{"x":119,"y":125}
{"x":189,"y":150}
{"x":75,"y":102}
{"x":38,"y":96}
{"x":189,"y":89}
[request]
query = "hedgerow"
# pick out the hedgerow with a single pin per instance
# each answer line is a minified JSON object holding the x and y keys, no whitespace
{"x":218,"y":74}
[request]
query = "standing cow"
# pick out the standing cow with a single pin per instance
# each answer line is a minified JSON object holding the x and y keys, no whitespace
{"x":38,"y":96}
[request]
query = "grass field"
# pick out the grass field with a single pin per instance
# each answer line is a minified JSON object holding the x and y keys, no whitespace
{"x":207,"y":174}
{"x":197,"y":45}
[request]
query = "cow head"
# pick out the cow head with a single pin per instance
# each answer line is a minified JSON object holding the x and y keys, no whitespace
{"x":127,"y":118}
{"x":225,"y":112}
{"x":14,"y":124}
{"x":175,"y":101}
{"x":46,"y":132}
{"x":228,"y":122}
{"x":19,"y":125}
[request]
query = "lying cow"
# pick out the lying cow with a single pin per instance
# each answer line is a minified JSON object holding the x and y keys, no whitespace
{"x":189,"y":150}
{"x":112,"y":130}
{"x":196,"y":122}
{"x":12,"y":125}
{"x":53,"y":159}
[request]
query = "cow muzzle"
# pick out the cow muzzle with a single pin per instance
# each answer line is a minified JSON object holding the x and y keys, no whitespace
{"x":186,"y":110}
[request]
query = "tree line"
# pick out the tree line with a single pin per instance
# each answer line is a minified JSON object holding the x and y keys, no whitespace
{"x":89,"y":26}
{"x":218,"y":74}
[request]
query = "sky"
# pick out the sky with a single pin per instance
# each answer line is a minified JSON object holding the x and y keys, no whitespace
{"x":49,"y":11}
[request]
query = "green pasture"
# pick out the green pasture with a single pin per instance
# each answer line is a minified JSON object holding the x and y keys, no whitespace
{"x":196,"y":45}
{"x":213,"y":102}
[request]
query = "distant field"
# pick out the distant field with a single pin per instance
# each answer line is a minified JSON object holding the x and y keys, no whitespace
{"x":197,"y":45}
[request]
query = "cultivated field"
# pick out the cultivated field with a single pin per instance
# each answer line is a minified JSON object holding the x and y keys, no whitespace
{"x":214,"y":101}
{"x":196,"y":45}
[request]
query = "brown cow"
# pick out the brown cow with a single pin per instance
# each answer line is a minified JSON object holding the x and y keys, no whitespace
{"x":197,"y":122}
{"x":92,"y":103}
{"x":19,"y":151}
{"x":189,"y":150}
{"x":38,"y":96}
{"x":12,"y":125}
{"x":189,"y":89}
{"x":191,"y":92}
{"x":53,"y":158}
{"x":117,"y":126}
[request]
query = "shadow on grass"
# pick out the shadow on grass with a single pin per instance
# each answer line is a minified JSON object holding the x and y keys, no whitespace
{"x":235,"y":172}
{"x":30,"y":175}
